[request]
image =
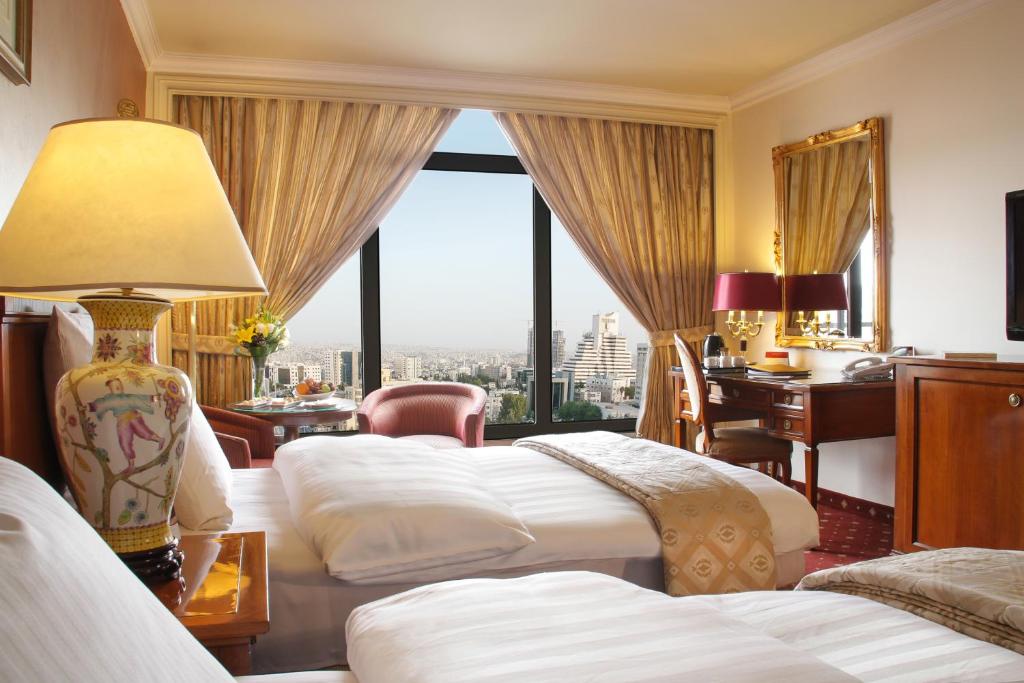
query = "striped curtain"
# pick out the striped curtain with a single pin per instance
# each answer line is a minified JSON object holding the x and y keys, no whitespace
{"x":309,"y":181}
{"x":637,"y":200}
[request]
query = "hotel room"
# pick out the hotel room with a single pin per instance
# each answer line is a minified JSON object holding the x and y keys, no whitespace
{"x":386,"y":342}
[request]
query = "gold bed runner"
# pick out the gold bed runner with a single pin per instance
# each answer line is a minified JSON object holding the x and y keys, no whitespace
{"x":975,"y":591}
{"x":715,"y":536}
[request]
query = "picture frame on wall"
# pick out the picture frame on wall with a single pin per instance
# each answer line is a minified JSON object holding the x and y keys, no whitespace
{"x":16,"y":40}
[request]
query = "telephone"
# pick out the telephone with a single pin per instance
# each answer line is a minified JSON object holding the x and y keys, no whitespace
{"x":870,"y":368}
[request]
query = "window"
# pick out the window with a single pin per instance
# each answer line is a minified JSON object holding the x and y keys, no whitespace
{"x":595,"y":373}
{"x":457,"y":283}
{"x":325,"y":343}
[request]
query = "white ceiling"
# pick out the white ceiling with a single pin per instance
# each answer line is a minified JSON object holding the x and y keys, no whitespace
{"x":709,"y":47}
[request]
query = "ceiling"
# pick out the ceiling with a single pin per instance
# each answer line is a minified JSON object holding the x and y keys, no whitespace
{"x":708,"y":47}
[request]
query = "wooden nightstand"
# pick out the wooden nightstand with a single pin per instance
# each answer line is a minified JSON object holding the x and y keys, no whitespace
{"x":222,"y":596}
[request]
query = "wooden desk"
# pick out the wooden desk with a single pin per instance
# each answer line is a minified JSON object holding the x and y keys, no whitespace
{"x":221,"y":597}
{"x":818,"y":409}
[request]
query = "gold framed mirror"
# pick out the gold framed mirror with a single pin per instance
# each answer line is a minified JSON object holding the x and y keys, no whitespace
{"x":831,"y":233}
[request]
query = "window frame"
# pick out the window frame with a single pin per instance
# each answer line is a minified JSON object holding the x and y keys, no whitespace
{"x":369,"y":281}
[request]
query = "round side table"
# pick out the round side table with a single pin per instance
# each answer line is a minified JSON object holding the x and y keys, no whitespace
{"x":298,"y":414}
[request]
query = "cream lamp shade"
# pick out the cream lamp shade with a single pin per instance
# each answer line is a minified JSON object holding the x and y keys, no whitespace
{"x":119,"y":204}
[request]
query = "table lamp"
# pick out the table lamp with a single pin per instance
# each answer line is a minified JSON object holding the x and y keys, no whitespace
{"x":125,"y":216}
{"x":742,"y":292}
{"x":813,"y":293}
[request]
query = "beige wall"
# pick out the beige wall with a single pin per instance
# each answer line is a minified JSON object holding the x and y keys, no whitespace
{"x":954,"y":113}
{"x":84,"y":60}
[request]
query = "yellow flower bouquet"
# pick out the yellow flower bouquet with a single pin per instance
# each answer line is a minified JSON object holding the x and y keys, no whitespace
{"x":259,"y":335}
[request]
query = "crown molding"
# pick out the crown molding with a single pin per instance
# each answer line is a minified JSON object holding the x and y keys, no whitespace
{"x":900,"y":31}
{"x":452,"y":82}
{"x":140,"y":21}
{"x":300,"y":78}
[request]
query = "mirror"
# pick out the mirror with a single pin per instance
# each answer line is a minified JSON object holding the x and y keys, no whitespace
{"x":830,"y":232}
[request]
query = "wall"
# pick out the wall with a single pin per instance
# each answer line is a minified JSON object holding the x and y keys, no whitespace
{"x":84,"y":60}
{"x":953,"y":110}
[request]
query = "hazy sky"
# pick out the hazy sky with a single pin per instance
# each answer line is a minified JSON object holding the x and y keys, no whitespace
{"x":456,"y":264}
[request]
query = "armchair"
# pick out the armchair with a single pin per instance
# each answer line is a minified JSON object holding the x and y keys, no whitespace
{"x":441,"y":414}
{"x":242,"y":437}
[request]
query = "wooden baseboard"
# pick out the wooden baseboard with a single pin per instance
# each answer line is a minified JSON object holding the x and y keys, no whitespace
{"x":856,"y":506}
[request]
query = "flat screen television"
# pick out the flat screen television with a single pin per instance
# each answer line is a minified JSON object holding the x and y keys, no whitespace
{"x":1015,"y":265}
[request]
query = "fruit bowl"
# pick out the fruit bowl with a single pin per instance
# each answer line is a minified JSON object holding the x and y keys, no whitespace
{"x":309,"y":390}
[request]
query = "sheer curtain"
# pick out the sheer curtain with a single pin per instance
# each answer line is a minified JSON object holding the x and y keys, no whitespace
{"x":309,"y":181}
{"x":637,"y":200}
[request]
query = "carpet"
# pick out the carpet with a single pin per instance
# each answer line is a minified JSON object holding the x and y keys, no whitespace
{"x":847,"y":538}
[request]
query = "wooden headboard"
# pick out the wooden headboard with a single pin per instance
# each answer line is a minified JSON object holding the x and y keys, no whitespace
{"x":25,"y":434}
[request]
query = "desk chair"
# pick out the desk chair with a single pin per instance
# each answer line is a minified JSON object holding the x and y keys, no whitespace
{"x":734,"y":445}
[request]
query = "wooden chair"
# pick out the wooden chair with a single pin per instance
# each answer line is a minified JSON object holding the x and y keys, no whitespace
{"x":734,"y":445}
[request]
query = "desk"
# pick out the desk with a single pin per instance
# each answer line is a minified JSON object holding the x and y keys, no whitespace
{"x":814,"y":410}
{"x":295,"y":415}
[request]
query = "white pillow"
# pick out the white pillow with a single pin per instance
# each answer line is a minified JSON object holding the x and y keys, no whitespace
{"x":203,"y":502}
{"x":68,"y":345}
{"x":70,"y":610}
{"x":378,"y":508}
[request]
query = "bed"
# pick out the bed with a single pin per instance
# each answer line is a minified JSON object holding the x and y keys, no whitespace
{"x":580,"y":626}
{"x":579,"y":524}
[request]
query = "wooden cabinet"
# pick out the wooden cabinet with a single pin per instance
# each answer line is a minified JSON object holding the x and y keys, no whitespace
{"x":960,"y":454}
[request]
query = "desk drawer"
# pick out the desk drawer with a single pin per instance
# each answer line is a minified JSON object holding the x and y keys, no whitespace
{"x":752,"y":396}
{"x":788,"y":400}
{"x":789,"y":425}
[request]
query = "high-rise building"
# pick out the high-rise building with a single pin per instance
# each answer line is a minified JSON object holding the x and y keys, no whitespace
{"x":410,"y":368}
{"x":602,"y":351}
{"x":293,"y":373}
{"x":342,"y":368}
{"x":642,"y":351}
{"x":557,"y":348}
{"x":529,"y":346}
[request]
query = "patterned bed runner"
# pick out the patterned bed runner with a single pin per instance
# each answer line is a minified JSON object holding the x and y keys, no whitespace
{"x":974,"y":591}
{"x":715,"y":535}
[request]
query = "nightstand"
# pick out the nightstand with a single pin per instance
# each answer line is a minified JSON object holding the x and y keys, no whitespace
{"x":222,"y":595}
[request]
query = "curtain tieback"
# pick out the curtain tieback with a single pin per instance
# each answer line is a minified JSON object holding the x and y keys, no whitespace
{"x":689,"y":334}
{"x":205,"y":343}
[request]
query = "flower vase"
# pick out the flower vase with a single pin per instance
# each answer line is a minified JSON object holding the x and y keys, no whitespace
{"x":123,"y":423}
{"x":259,"y":376}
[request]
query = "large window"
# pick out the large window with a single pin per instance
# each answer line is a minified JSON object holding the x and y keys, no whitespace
{"x":456,"y":284}
{"x":469,"y":279}
{"x":326,"y":342}
{"x":596,"y":375}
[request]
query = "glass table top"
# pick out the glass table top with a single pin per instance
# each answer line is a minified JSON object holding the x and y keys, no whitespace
{"x":297,"y":407}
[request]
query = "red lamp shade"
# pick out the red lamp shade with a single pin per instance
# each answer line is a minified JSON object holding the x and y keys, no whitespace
{"x":747,"y":292}
{"x":817,"y":292}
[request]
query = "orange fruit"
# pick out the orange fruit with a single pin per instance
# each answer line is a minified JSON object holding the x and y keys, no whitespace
{"x":302,"y":389}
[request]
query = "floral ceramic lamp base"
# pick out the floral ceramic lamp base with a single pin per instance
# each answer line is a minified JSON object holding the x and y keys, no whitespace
{"x":123,"y":424}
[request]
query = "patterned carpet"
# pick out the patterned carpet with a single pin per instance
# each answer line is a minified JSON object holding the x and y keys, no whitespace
{"x":847,"y":537}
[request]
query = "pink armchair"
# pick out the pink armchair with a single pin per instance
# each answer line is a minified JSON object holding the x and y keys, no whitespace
{"x":441,"y":414}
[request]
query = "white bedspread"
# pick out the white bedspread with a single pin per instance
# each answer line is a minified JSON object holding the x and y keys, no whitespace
{"x":577,"y":626}
{"x":570,"y":626}
{"x":577,"y":521}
